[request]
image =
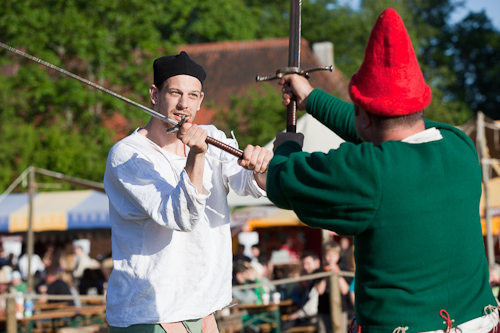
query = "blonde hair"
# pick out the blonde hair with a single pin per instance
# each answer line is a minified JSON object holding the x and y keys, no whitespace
{"x":331,"y":246}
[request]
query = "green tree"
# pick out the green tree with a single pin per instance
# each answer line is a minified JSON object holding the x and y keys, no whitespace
{"x":55,"y":122}
{"x":426,"y":22}
{"x":255,"y":117}
{"x":475,"y":46}
{"x":52,"y":121}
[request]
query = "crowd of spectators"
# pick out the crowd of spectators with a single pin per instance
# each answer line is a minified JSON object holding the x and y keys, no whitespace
{"x":310,"y":298}
{"x":56,"y":269}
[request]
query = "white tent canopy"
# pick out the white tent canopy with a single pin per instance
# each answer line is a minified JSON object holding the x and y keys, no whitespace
{"x":317,"y":138}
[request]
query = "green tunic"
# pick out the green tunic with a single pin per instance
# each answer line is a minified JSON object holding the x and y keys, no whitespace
{"x":413,"y":212}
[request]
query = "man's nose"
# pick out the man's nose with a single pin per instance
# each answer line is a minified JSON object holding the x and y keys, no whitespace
{"x":183,"y":102}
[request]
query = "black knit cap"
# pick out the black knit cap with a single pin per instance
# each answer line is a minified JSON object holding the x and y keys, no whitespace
{"x":180,"y":64}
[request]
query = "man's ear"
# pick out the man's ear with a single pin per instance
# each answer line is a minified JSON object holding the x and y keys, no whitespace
{"x":365,"y":119}
{"x":154,"y":94}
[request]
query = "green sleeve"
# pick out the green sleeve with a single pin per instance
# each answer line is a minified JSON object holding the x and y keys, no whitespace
{"x":337,"y":191}
{"x":334,"y":113}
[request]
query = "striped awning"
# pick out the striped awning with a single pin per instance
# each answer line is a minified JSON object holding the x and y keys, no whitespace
{"x":53,"y":211}
{"x":280,"y":218}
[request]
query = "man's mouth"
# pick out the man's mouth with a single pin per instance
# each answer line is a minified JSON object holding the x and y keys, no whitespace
{"x":178,"y":116}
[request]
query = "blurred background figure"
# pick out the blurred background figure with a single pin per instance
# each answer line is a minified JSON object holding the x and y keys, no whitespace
{"x":82,"y":261}
{"x":92,"y":282}
{"x":240,"y":256}
{"x":242,"y":276}
{"x":37,"y":264}
{"x":495,"y":280}
{"x":294,"y":245}
{"x":4,"y":260}
{"x":331,"y":251}
{"x":306,"y":294}
{"x":346,"y":254}
{"x":56,"y":285}
{"x":17,"y":282}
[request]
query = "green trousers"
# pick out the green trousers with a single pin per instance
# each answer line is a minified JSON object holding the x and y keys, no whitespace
{"x":192,"y":326}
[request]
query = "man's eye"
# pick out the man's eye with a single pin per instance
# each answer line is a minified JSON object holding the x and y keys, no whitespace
{"x":196,"y":96}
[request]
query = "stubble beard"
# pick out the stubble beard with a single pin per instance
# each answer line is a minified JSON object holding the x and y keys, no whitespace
{"x":165,"y":124}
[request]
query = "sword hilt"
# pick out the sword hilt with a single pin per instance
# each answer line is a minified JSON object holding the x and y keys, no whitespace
{"x":293,"y":70}
{"x":178,"y":126}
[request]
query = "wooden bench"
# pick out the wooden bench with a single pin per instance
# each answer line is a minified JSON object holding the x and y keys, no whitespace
{"x":303,"y":329}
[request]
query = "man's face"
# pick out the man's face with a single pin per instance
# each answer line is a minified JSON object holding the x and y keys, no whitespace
{"x":4,"y":288}
{"x":181,"y":95}
{"x":332,"y":257}
{"x":310,"y":264}
{"x":78,"y":251}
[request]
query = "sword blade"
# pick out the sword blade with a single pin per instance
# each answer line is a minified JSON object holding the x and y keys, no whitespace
{"x":227,"y":148}
{"x":293,"y":58}
{"x":90,"y":83}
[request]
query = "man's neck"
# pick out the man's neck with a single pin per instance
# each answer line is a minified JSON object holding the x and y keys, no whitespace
{"x":156,"y":132}
{"x":399,"y":133}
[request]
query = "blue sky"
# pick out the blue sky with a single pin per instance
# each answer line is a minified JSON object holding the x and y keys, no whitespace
{"x":491,"y":7}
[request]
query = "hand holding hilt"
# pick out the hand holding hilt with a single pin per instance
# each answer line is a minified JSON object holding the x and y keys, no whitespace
{"x":293,"y":70}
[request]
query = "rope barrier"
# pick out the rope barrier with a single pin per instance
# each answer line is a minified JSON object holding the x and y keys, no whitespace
{"x":294,"y":279}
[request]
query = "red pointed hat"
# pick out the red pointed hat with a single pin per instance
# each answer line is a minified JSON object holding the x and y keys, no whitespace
{"x":390,"y":82}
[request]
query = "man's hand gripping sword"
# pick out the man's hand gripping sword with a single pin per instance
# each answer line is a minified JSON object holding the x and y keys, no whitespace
{"x":293,"y":62}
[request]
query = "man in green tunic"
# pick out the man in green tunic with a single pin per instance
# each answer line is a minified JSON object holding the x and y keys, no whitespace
{"x":406,"y":188}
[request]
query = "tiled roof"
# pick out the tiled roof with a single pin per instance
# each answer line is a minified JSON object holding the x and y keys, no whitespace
{"x":232,"y":67}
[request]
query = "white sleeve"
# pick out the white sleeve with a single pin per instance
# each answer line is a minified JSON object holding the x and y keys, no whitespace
{"x":310,"y":308}
{"x":137,"y":191}
{"x":242,"y":181}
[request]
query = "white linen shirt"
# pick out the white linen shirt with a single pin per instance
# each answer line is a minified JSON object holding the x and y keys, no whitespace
{"x":172,"y":253}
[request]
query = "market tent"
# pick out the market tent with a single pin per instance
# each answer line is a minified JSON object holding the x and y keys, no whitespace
{"x":280,"y":218}
{"x":55,"y":211}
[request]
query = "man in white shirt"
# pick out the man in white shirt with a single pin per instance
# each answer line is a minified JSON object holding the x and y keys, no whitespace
{"x":172,"y":260}
{"x":37,"y":265}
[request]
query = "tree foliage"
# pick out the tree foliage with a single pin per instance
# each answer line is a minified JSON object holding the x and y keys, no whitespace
{"x":255,"y":117}
{"x":54,"y":122}
{"x":474,"y":47}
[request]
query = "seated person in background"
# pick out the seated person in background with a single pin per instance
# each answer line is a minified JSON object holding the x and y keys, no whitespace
{"x":36,"y":265}
{"x":256,"y":253}
{"x":239,"y":255}
{"x":18,"y":283}
{"x":92,"y":282}
{"x":4,"y":260}
{"x":293,"y":245}
{"x":306,"y":294}
{"x":259,"y":274}
{"x":56,"y":286}
{"x":242,"y":276}
{"x":4,"y":290}
{"x":82,"y":261}
{"x":495,"y":280}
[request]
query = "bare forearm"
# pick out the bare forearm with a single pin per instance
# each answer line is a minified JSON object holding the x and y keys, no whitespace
{"x":195,"y":166}
{"x":261,"y":179}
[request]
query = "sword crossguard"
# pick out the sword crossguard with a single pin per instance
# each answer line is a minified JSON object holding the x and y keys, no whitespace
{"x":178,"y":126}
{"x":293,"y":70}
